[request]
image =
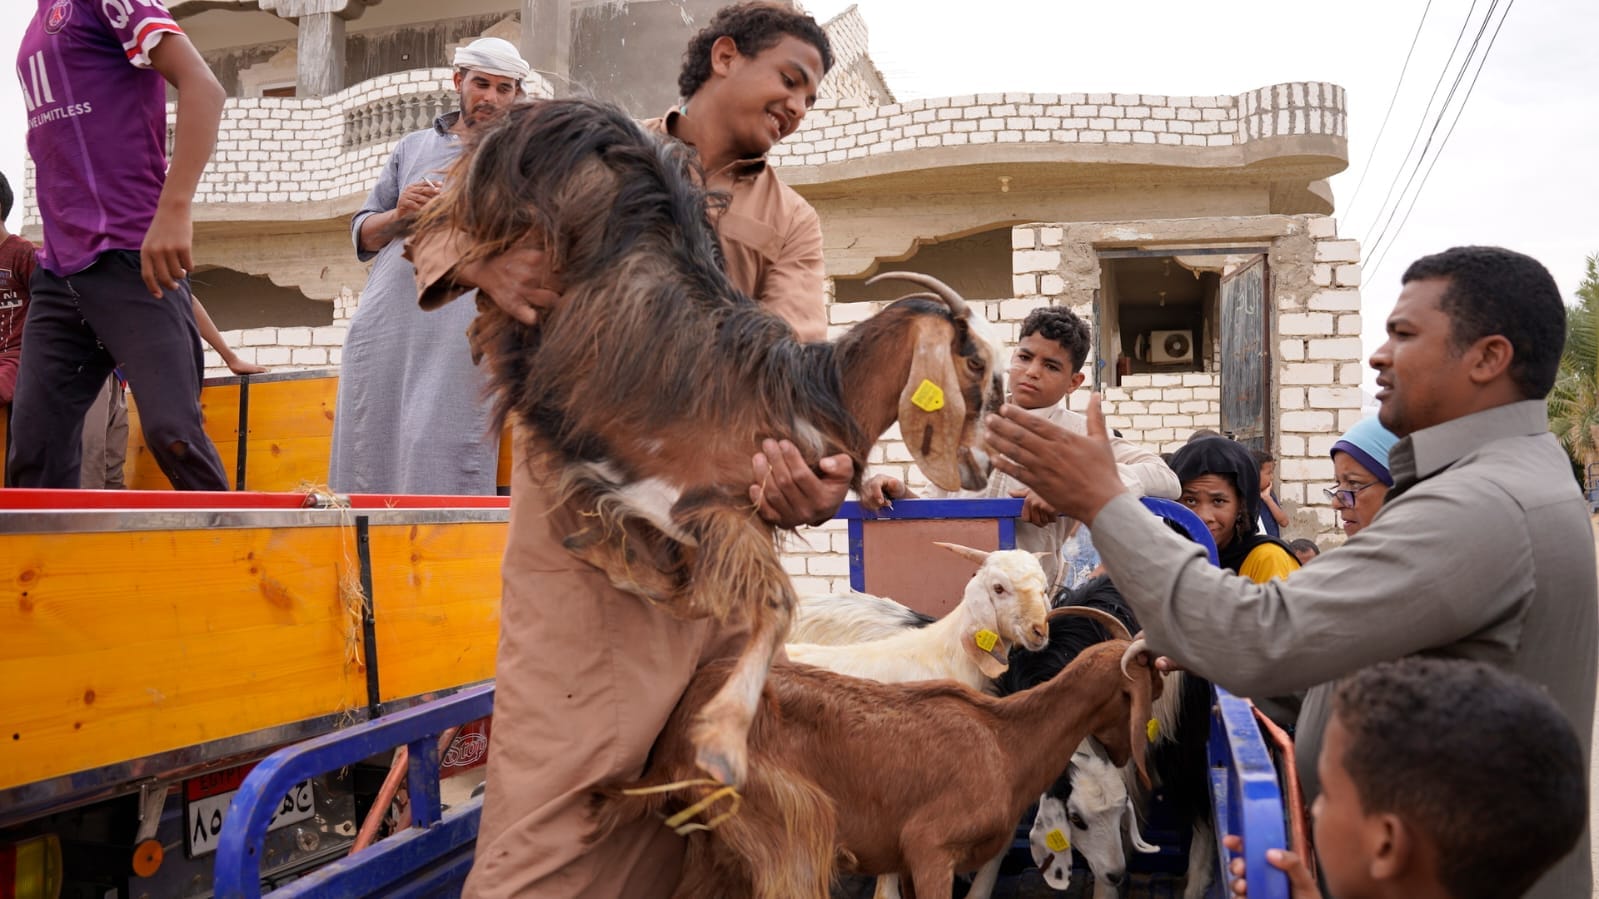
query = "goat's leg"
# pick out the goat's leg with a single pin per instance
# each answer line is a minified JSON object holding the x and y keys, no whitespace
{"x":1201,"y":860}
{"x":932,"y":873}
{"x":988,"y":875}
{"x":735,"y":568}
{"x":887,"y":887}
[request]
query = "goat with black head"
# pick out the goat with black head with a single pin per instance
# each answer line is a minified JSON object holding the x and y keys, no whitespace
{"x":649,"y":387}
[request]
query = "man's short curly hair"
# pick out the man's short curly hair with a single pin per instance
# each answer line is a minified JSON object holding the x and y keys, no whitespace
{"x":1482,"y":763}
{"x":1061,"y":325}
{"x":754,"y":26}
{"x":6,"y":198}
{"x":1493,"y":290}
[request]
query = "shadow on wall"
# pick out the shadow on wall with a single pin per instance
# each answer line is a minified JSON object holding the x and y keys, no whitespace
{"x":237,"y":301}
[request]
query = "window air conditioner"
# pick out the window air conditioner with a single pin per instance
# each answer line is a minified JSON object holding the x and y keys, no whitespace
{"x":1171,"y":346}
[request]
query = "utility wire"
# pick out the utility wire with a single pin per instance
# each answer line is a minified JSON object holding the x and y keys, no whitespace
{"x":1460,"y":75}
{"x":1391,"y":100}
{"x":1365,"y":239}
{"x":1459,"y":111}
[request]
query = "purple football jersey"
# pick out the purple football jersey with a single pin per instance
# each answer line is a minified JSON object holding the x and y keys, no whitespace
{"x":96,"y":124}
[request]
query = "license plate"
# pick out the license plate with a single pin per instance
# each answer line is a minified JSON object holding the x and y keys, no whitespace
{"x":206,"y":807}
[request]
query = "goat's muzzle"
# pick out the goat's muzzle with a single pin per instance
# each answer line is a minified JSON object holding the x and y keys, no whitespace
{"x":975,"y":467}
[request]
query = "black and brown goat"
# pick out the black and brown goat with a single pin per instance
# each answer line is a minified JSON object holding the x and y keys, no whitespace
{"x":924,"y":780}
{"x":651,"y":384}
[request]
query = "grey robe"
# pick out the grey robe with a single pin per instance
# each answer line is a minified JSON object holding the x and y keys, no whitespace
{"x":412,"y":415}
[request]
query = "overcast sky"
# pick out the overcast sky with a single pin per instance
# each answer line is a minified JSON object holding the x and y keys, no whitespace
{"x":1517,"y":171}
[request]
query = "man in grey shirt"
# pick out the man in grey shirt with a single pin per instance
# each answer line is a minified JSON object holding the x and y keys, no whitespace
{"x":1483,"y":549}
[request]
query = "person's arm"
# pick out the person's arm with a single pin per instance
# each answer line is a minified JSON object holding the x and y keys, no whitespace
{"x":210,"y":334}
{"x":1386,"y":593}
{"x":379,"y":228}
{"x":1275,"y":511}
{"x":167,"y":253}
{"x":379,"y":208}
{"x":1143,"y":472}
{"x":794,"y":287}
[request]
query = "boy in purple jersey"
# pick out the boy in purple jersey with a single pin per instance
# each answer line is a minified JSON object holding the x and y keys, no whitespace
{"x":112,"y":284}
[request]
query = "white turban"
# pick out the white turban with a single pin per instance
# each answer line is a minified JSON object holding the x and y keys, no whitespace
{"x":494,"y":56}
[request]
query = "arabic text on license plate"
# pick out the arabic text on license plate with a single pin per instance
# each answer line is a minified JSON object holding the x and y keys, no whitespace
{"x":204,"y":816}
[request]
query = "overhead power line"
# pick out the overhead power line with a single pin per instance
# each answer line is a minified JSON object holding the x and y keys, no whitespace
{"x":1426,"y":112}
{"x":1459,"y":111}
{"x":1381,"y":129}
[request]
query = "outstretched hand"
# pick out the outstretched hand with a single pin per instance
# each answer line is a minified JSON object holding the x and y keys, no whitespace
{"x":788,"y":493}
{"x":1300,"y":884}
{"x":1074,"y":474}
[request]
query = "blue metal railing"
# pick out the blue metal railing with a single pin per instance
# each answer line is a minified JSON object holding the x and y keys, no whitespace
{"x":434,"y":853}
{"x":1246,"y":795}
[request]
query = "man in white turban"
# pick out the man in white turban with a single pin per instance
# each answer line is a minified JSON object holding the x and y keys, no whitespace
{"x":412,"y":416}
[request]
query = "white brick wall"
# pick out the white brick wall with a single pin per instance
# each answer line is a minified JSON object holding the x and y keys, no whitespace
{"x":843,"y":129}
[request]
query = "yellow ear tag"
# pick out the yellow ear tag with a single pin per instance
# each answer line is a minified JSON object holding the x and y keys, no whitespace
{"x":1056,"y":841}
{"x":986,"y":639}
{"x":1153,"y":730}
{"x":929,"y":397}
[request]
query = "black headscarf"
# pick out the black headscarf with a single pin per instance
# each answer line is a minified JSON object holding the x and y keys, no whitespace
{"x":1223,"y":457}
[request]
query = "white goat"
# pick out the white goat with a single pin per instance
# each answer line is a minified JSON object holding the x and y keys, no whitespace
{"x":839,"y":618}
{"x":1004,"y":605}
{"x":1091,"y":818}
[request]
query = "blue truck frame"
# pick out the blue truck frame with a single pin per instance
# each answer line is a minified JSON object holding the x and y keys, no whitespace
{"x":433,"y":856}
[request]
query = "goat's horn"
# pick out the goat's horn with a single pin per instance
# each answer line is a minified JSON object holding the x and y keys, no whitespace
{"x":1133,"y":649}
{"x":1111,"y":622}
{"x":957,"y":305}
{"x":965,"y":552}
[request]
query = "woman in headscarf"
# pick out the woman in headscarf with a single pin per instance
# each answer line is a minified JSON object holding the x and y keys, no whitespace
{"x":1360,"y":465}
{"x":1221,"y":484}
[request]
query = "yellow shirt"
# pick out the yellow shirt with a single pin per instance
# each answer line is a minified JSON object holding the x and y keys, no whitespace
{"x":1266,"y":562}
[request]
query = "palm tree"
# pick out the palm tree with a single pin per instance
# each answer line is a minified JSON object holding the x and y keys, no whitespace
{"x":1574,"y":401}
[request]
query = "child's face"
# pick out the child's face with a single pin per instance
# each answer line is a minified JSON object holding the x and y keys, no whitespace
{"x":1267,"y":470}
{"x":1340,"y":821}
{"x":1041,"y":372}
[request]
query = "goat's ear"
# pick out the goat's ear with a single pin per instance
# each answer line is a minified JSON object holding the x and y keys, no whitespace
{"x":983,"y":642}
{"x":966,"y":552}
{"x":932,"y":409}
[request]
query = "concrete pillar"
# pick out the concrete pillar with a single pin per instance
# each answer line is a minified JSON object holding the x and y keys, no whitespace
{"x":547,"y":40}
{"x":321,"y":50}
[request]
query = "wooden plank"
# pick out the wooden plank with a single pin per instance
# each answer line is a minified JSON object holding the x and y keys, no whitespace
{"x":122,"y":645}
{"x":219,"y":411}
{"x":436,"y":598}
{"x":289,"y":433}
{"x":902,"y":563}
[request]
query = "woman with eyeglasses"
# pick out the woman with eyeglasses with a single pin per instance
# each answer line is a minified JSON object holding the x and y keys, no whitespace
{"x":1221,"y":484}
{"x":1360,"y":464}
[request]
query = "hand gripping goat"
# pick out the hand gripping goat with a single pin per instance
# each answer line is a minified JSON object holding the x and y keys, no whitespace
{"x":648,"y":388}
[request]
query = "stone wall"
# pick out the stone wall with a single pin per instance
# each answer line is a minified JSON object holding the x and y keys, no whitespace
{"x":841,"y":129}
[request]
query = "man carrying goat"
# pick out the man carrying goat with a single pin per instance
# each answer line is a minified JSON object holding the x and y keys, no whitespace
{"x":589,"y":674}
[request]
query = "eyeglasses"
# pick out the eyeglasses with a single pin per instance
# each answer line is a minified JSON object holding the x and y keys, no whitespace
{"x":1347,"y":497}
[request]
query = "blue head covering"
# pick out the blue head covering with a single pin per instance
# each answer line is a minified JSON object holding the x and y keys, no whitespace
{"x":1368,"y":443}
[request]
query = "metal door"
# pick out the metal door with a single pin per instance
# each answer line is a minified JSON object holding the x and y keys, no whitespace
{"x":1246,"y":366}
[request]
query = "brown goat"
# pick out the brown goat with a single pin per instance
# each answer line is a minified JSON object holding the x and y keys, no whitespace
{"x":923,"y":780}
{"x":652,"y":384}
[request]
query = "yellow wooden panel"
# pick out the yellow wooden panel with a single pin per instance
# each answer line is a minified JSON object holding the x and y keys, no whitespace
{"x":289,"y":433}
{"x":436,"y":601}
{"x":219,"y":410}
{"x":121,"y":645}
